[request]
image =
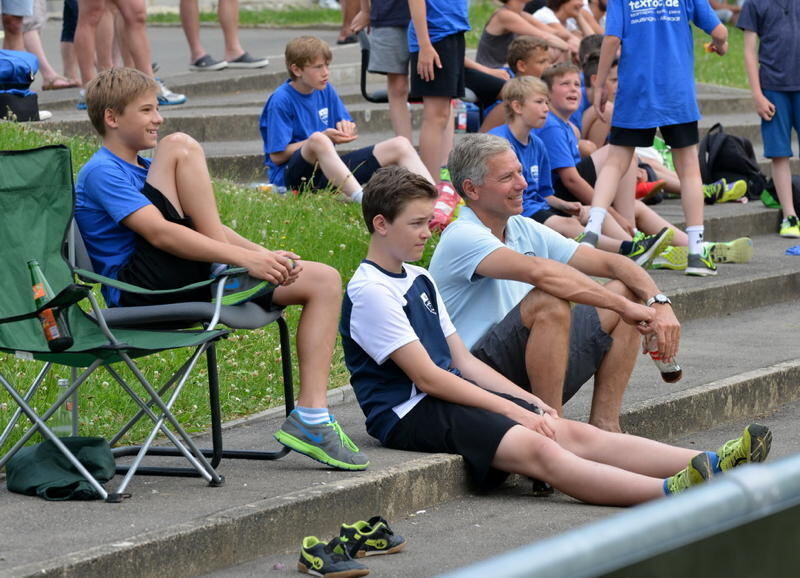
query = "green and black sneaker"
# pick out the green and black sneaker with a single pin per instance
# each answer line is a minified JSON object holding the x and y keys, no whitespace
{"x":371,"y":538}
{"x":332,"y":559}
{"x":699,"y":470}
{"x":751,"y":447}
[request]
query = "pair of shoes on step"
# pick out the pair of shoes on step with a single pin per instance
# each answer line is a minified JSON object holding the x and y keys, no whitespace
{"x":337,"y":557}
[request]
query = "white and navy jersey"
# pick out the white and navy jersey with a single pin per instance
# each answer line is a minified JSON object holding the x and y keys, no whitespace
{"x":381,"y":313}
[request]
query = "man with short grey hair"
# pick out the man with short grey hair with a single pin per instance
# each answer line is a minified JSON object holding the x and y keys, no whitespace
{"x":508,"y":283}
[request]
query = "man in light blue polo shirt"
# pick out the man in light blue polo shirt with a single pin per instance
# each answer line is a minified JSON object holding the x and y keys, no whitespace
{"x":508,"y":282}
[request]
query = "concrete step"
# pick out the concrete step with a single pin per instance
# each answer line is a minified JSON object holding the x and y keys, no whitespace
{"x":472,"y":528}
{"x":179,"y":527}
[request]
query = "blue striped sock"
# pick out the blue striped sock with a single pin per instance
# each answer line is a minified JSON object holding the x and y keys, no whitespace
{"x":313,"y":415}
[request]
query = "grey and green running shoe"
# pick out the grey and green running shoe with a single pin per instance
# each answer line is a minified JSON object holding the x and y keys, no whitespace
{"x":737,"y":251}
{"x":699,"y":470}
{"x":326,"y":442}
{"x":371,"y":538}
{"x":751,"y":447}
{"x":647,"y":248}
{"x":332,"y":559}
{"x":701,"y":265}
{"x":588,"y":238}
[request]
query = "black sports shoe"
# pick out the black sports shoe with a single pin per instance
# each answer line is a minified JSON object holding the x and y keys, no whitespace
{"x":371,"y":538}
{"x":332,"y":559}
{"x":648,"y":247}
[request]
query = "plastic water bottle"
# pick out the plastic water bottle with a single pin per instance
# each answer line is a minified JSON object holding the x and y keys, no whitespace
{"x":671,"y":372}
{"x":61,"y":420}
{"x":445,"y":206}
{"x":460,"y":113}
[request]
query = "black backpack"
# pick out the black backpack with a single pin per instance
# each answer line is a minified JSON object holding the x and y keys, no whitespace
{"x":725,"y":156}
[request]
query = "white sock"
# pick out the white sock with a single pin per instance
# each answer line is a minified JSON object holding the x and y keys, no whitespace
{"x":313,"y":415}
{"x":357,"y":196}
{"x":695,"y":233}
{"x":596,"y":217}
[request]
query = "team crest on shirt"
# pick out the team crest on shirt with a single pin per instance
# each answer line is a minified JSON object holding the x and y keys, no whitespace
{"x":427,"y":302}
{"x":323,"y":115}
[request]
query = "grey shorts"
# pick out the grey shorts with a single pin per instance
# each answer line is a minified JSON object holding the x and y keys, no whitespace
{"x":503,"y":348}
{"x":388,"y":50}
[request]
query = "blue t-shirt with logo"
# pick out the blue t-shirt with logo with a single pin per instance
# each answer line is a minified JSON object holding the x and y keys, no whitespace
{"x":535,"y":168}
{"x":409,"y":309}
{"x":108,"y":190}
{"x":777,"y":25}
{"x":290,"y":116}
{"x":445,"y":18}
{"x":656,"y":64}
{"x":561,"y":143}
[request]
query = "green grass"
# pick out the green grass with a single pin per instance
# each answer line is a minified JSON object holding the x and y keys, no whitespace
{"x":725,"y":70}
{"x":316,"y":226}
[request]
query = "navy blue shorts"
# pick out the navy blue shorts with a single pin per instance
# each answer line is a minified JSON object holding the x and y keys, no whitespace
{"x":301,"y":173}
{"x":677,"y":136}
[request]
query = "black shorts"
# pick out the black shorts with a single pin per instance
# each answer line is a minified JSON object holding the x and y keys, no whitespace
{"x":439,"y":426}
{"x":152,"y":268}
{"x":588,"y":173}
{"x":299,"y":172}
{"x":447,"y":81}
{"x":544,"y":214}
{"x":503,"y":348}
{"x":677,"y":136}
{"x":486,"y":87}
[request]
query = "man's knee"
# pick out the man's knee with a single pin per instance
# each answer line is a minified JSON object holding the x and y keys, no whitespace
{"x":539,"y":306}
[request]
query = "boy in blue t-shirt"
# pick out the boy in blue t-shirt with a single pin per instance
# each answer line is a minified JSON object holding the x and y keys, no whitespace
{"x":156,"y":225}
{"x":304,"y":119}
{"x":775,"y":84}
{"x":525,"y":100}
{"x":422,"y":390}
{"x":656,"y":90}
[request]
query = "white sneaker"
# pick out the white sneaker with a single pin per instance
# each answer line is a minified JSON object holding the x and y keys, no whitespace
{"x":166,"y":96}
{"x":45,"y":114}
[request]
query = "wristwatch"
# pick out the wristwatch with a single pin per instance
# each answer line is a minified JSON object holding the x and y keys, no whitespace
{"x":659,"y":298}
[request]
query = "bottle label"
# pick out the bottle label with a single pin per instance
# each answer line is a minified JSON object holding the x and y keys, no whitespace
{"x":49,"y":325}
{"x":38,"y":291}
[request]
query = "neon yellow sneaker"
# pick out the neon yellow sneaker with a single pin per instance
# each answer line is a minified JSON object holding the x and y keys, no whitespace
{"x":332,"y":559}
{"x":698,"y":471}
{"x":751,"y":447}
{"x":324,"y":442}
{"x":672,"y":258}
{"x":371,"y":537}
{"x":722,"y":192}
{"x":790,"y":228}
{"x":737,"y":251}
{"x":701,"y":265}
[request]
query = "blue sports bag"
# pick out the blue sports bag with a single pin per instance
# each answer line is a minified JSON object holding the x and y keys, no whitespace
{"x":17,"y":69}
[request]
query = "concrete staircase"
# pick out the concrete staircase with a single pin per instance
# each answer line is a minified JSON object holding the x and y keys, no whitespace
{"x":739,"y":354}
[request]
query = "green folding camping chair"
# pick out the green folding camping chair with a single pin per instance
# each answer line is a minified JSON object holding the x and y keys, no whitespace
{"x":36,"y":200}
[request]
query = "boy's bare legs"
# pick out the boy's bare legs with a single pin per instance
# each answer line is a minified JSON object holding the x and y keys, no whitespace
{"x":179,"y":171}
{"x":616,"y":367}
{"x":650,"y":222}
{"x":318,"y":290}
{"x":228,"y":14}
{"x":571,"y":227}
{"x":687,"y":166}
{"x":13,"y":38}
{"x":397,"y":89}
{"x":525,"y":452}
{"x":613,"y":162}
{"x":190,"y":22}
{"x":434,"y":131}
{"x":104,"y":41}
{"x":548,"y":318}
{"x":319,"y":149}
{"x":90,"y":12}
{"x":782,"y":177}
{"x":400,"y":151}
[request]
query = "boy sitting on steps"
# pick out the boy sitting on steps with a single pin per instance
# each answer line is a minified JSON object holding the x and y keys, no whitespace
{"x":156,"y":225}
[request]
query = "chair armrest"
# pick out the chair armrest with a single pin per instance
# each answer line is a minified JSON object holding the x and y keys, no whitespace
{"x":122,"y":286}
{"x":67,"y":297}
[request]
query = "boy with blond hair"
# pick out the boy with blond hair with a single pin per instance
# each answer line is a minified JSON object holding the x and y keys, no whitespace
{"x":525,"y":100}
{"x":528,"y":56}
{"x":155,"y":223}
{"x":422,"y":390}
{"x":304,"y":120}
